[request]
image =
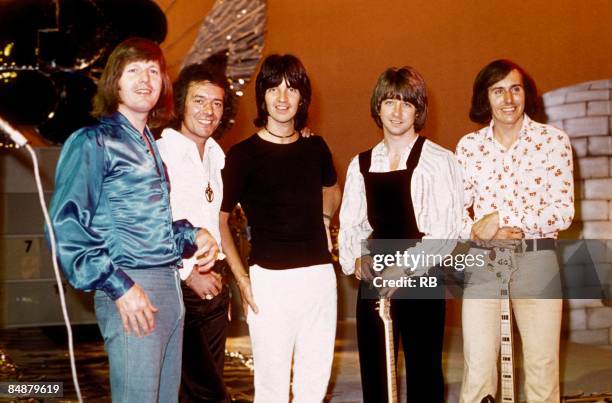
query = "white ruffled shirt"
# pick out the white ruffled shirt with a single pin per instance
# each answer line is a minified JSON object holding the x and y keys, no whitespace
{"x":189,"y":176}
{"x":437,"y":197}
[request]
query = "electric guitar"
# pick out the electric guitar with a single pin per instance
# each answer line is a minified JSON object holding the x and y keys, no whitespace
{"x":507,"y":350}
{"x":504,"y":262}
{"x":384,"y":311}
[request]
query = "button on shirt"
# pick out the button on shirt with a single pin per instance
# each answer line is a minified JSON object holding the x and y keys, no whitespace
{"x":531,"y":184}
{"x":437,"y":195}
{"x":189,"y":176}
{"x":111,"y":208}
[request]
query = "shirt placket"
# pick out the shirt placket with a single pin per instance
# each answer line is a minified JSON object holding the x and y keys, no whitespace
{"x":200,"y":167}
{"x":161,"y":177}
{"x":502,"y":191}
{"x":511,"y":197}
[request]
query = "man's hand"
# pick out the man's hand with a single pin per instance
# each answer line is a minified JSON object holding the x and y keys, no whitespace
{"x":205,"y":285}
{"x":505,"y":237}
{"x":246,"y":295}
{"x":390,"y":273}
{"x":363,"y":268}
{"x":486,"y":228}
{"x":136,"y":311}
{"x":306,"y":132}
{"x":509,"y":233}
{"x":207,"y":252}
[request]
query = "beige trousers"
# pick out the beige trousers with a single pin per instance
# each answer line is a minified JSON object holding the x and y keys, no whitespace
{"x":538,"y":321}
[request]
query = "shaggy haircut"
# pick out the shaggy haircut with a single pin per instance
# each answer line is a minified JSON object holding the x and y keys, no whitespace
{"x":202,"y":73}
{"x":405,"y":84}
{"x":274,"y":69}
{"x":106,"y":101}
{"x":480,"y":111}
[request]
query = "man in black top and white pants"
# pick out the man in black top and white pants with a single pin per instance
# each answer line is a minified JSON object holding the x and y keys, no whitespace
{"x":286,"y":185}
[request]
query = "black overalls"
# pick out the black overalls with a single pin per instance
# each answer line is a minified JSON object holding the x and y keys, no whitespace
{"x":419,"y":322}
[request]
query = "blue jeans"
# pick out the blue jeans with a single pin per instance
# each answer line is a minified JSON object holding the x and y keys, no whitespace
{"x":148,"y":368}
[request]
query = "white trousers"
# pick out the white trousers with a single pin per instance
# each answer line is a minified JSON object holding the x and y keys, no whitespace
{"x":539,"y":324}
{"x":296,"y":320}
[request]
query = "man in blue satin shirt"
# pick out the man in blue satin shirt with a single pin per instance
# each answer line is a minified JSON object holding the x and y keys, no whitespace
{"x":114,"y":229}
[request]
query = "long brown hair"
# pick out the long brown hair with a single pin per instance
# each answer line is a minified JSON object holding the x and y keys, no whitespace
{"x":480,"y":111}
{"x":106,"y":101}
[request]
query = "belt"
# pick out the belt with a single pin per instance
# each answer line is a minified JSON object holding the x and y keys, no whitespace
{"x":527,"y":245}
{"x":533,"y":245}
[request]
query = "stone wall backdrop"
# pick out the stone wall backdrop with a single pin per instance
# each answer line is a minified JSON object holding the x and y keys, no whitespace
{"x":584,"y":112}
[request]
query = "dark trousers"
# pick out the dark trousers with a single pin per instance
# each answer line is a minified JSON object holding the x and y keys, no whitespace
{"x":420,"y":325}
{"x":206,"y":325}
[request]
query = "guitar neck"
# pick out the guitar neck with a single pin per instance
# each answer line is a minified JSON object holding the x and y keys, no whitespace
{"x":390,"y":355}
{"x":507,"y":351}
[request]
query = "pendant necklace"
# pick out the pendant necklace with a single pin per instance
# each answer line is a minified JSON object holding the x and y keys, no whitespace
{"x":278,"y":136}
{"x":208,"y":192}
{"x":210,"y":195}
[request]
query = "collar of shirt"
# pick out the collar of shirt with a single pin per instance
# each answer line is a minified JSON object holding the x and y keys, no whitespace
{"x":380,"y":156}
{"x":182,"y":146}
{"x":118,"y":119}
{"x":525,"y":128}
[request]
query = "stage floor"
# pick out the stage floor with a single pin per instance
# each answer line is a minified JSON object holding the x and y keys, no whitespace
{"x":37,"y":354}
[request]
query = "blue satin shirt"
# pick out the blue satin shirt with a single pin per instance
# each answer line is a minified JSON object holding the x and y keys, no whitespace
{"x":111,"y":208}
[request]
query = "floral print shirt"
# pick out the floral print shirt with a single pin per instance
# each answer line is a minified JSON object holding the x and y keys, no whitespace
{"x":530,"y":184}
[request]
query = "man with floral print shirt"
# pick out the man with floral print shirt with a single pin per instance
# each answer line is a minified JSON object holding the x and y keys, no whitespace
{"x":518,"y":180}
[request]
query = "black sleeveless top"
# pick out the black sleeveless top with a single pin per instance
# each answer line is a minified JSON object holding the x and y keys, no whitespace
{"x":390,"y":209}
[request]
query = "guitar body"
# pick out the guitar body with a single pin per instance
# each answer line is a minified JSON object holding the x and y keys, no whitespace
{"x":384,"y":311}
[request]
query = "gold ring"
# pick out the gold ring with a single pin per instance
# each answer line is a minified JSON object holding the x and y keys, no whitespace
{"x":209,"y":296}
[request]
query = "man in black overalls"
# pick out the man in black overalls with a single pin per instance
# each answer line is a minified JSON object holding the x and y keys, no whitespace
{"x":405,"y":188}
